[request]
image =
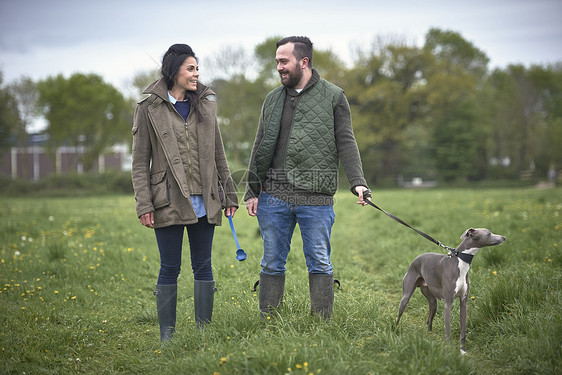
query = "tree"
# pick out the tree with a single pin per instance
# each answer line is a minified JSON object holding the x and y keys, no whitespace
{"x":454,"y":102}
{"x":85,"y":112}
{"x":24,"y":91}
{"x":238,"y":101}
{"x":386,"y":89}
{"x":10,"y":122}
{"x":229,"y":62}
{"x":414,"y":108}
{"x":548,"y":83}
{"x":527,"y":119}
{"x":142,"y":80}
{"x":330,"y":66}
{"x":460,"y":55}
{"x":238,"y":104}
{"x":264,"y":54}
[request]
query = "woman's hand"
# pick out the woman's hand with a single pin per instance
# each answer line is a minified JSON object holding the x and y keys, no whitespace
{"x":147,"y":220}
{"x":229,"y":211}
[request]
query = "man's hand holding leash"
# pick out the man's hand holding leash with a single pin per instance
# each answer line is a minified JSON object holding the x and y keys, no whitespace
{"x":364,"y":193}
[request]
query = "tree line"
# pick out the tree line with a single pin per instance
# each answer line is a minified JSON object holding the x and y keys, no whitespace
{"x":435,"y":111}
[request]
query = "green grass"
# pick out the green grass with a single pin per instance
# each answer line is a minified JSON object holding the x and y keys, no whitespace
{"x":77,"y":276}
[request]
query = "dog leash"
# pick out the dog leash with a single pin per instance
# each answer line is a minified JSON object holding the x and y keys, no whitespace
{"x":367,"y":194}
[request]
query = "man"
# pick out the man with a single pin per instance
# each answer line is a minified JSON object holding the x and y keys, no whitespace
{"x":304,"y":132}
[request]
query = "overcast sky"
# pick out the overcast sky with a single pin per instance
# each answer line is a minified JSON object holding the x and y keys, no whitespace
{"x":116,"y":39}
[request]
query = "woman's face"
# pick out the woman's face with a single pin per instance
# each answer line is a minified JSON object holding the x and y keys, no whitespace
{"x":187,"y":75}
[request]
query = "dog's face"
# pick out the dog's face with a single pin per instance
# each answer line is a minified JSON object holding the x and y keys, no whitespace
{"x":483,"y":237}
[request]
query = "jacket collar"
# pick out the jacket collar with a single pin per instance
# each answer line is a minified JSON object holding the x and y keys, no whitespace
{"x":160,"y":89}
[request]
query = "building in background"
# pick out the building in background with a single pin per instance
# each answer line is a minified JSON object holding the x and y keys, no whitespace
{"x":35,"y":161}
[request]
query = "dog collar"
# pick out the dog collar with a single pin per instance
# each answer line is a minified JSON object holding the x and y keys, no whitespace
{"x":465,"y":257}
{"x":462,"y":256}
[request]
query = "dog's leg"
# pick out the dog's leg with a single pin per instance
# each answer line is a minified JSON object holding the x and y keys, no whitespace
{"x":463,"y":323}
{"x":408,"y":287}
{"x":448,"y":304}
{"x":432,"y":305}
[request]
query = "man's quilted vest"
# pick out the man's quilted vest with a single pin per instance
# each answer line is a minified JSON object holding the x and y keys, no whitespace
{"x":312,"y":157}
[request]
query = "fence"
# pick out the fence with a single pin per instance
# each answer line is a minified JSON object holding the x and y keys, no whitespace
{"x":34,"y":162}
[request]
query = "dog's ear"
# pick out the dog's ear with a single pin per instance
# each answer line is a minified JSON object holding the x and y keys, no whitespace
{"x":467,"y":233}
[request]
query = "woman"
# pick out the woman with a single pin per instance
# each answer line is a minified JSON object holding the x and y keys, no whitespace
{"x":181,"y":179}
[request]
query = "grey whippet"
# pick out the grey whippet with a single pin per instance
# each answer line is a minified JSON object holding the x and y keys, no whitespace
{"x":446,"y":277}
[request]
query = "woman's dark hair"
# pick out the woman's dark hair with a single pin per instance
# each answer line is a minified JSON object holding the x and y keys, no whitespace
{"x":173,"y":59}
{"x":171,"y":62}
{"x":302,"y":49}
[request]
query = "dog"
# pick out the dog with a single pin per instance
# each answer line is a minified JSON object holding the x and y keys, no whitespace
{"x":446,"y":277}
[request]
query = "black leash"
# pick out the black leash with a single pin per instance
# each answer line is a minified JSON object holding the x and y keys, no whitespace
{"x":367,"y":195}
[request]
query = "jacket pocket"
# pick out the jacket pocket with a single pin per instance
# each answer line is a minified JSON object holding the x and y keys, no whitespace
{"x":159,"y":189}
{"x":134,"y":132}
{"x":221,"y":195}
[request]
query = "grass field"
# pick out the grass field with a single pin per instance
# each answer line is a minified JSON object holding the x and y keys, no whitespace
{"x":77,"y":276}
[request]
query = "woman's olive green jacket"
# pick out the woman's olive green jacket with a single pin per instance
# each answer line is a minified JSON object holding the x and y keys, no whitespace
{"x":160,"y":181}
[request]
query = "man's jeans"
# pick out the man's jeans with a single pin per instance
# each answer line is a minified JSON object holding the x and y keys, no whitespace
{"x":277,"y":220}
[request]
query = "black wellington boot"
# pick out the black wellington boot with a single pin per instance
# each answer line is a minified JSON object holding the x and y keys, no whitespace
{"x":271,"y":293}
{"x":204,"y":295}
{"x":321,"y":294}
{"x":166,"y":300}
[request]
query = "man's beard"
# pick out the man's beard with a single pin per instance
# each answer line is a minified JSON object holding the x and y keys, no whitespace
{"x":293,"y":78}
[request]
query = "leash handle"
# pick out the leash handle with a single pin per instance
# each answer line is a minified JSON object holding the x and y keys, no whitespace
{"x":367,"y":199}
{"x":233,"y":232}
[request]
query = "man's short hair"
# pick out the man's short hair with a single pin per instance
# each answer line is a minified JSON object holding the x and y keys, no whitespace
{"x":303,"y":47}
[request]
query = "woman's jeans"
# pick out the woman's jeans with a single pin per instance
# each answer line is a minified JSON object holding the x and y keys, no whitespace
{"x":170,"y":240}
{"x":277,"y":220}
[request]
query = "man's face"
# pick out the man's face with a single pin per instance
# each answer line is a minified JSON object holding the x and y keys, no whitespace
{"x":290,"y":70}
